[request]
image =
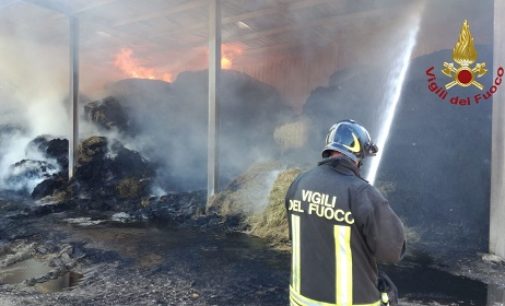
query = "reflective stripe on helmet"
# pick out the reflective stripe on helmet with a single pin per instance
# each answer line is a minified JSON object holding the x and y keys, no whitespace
{"x":356,"y":147}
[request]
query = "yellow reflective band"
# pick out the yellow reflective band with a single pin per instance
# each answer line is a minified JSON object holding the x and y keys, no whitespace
{"x":343,"y":265}
{"x":293,"y":303}
{"x":295,"y":257}
{"x":296,"y":299}
{"x":301,"y":300}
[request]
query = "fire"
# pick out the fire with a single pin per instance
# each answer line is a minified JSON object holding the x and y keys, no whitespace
{"x":132,"y":67}
{"x":229,"y":52}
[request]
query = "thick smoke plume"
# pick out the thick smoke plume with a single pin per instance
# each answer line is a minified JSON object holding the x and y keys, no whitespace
{"x":32,"y":92}
{"x":169,"y":124}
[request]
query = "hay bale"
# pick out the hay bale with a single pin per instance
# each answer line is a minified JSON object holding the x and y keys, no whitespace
{"x":257,"y":197}
{"x":292,"y":135}
{"x":94,"y":147}
{"x":272,"y":223}
{"x":129,"y":188}
{"x":269,"y":221}
{"x":248,"y":193}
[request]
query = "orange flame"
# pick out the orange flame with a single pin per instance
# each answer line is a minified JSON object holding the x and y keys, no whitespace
{"x":131,"y":66}
{"x":229,"y":52}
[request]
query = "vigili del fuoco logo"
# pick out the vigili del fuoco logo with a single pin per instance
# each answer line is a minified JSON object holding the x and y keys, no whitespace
{"x":463,"y":72}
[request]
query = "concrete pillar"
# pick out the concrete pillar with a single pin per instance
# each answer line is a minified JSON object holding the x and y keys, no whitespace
{"x":214,"y":73}
{"x":497,"y":209}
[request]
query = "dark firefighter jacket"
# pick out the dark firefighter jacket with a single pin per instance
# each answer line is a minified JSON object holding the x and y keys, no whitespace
{"x":340,"y":227}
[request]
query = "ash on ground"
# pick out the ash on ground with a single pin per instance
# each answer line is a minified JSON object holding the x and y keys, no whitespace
{"x":67,"y":257}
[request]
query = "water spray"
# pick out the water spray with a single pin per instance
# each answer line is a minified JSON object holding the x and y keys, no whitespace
{"x":392,"y":97}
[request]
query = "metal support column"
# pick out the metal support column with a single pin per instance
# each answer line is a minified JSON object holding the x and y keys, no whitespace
{"x":74,"y":93}
{"x":497,"y":209}
{"x":214,"y":75}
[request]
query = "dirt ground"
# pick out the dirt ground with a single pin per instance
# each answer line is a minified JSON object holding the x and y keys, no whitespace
{"x":101,"y":260}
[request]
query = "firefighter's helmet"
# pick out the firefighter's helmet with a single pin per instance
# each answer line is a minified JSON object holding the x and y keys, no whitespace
{"x":351,"y":139}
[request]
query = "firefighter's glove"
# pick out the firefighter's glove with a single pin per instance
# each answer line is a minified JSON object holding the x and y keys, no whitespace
{"x":388,"y":290}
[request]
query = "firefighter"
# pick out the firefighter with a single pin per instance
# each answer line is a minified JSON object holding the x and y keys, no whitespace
{"x":340,"y":226}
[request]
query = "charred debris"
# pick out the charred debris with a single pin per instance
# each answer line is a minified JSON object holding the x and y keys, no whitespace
{"x":144,"y":151}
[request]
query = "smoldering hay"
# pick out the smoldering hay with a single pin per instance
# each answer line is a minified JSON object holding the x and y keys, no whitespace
{"x":31,"y":104}
{"x":170,"y":124}
{"x":167,"y":124}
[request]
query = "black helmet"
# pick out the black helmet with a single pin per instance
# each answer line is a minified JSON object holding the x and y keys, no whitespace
{"x":351,"y":139}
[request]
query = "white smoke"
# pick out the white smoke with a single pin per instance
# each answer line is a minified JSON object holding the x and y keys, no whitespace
{"x":32,"y":91}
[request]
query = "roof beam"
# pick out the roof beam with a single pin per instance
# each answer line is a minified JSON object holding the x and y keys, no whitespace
{"x":337,"y":19}
{"x":93,"y":5}
{"x":268,"y":34}
{"x":333,"y":20}
{"x":63,"y":9}
{"x":186,"y":6}
{"x":295,"y":5}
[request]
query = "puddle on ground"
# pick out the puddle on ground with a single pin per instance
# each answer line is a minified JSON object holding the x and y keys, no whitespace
{"x":33,"y":268}
{"x":67,"y":280}
{"x":210,"y":252}
{"x":428,"y":285}
{"x":23,"y":270}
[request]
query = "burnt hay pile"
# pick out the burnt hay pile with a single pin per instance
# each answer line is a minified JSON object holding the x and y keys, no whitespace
{"x":148,"y":138}
{"x":256,"y":200}
{"x":170,"y":124}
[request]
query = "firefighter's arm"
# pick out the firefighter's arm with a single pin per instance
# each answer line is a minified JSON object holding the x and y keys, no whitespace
{"x":381,"y":227}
